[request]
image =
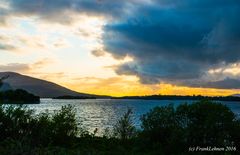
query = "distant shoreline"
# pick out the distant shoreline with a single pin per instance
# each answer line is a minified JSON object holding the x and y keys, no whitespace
{"x":159,"y":97}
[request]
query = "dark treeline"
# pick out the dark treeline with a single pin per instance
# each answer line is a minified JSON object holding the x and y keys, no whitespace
{"x":164,"y":130}
{"x":18,"y":96}
{"x":74,"y":97}
{"x":158,"y":97}
{"x":177,"y":97}
{"x":1,"y":80}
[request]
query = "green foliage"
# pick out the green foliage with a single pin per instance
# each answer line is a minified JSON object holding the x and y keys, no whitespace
{"x":18,"y":123}
{"x":159,"y":119}
{"x":160,"y":127}
{"x":203,"y":123}
{"x":207,"y":123}
{"x":124,"y":128}
{"x":64,"y":125}
{"x":14,"y":121}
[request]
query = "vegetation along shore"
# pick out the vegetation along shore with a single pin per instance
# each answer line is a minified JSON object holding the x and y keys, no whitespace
{"x":166,"y":130}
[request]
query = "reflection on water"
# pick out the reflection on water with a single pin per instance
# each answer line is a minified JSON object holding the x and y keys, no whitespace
{"x":103,"y":113}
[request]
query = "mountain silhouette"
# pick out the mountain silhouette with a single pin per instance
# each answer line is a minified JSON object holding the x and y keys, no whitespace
{"x":42,"y":88}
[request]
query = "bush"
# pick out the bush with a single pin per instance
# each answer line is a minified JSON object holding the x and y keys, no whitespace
{"x":19,"y":123}
{"x":15,"y":122}
{"x":64,"y":125}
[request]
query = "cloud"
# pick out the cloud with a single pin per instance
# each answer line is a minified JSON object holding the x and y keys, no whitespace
{"x":41,"y":63}
{"x":3,"y":13}
{"x":64,"y":11}
{"x":2,"y":18}
{"x":4,"y":45}
{"x":25,"y":68}
{"x":176,"y":41}
{"x":14,"y":67}
{"x":13,"y":39}
{"x":98,"y":52}
{"x":7,"y":47}
{"x":226,"y":83}
{"x":61,"y":43}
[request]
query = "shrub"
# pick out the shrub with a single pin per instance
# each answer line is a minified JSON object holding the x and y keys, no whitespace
{"x":15,"y":121}
{"x":64,"y":125}
{"x":18,"y":123}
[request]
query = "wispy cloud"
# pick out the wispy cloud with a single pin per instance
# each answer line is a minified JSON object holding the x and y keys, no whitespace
{"x":15,"y":67}
{"x":24,"y":67}
{"x":7,"y":47}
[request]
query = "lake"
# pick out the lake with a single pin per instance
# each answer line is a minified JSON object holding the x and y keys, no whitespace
{"x":103,"y":113}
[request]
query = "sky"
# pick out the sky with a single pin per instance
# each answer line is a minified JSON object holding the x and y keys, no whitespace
{"x":125,"y":47}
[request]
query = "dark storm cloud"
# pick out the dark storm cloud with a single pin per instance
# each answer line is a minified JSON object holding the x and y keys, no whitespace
{"x":157,"y":69}
{"x":227,"y":83}
{"x":224,"y":84}
{"x":50,"y":6}
{"x":62,"y":10}
{"x":177,"y":40}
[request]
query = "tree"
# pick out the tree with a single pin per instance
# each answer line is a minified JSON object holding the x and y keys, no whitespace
{"x":65,"y":126}
{"x":202,"y":123}
{"x":161,"y":130}
{"x":208,"y":123}
{"x":124,"y":128}
{"x":159,"y":123}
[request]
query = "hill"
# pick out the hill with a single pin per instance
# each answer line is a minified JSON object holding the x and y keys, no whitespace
{"x":42,"y":88}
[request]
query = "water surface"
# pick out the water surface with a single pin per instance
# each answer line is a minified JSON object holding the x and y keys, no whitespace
{"x":103,"y":113}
